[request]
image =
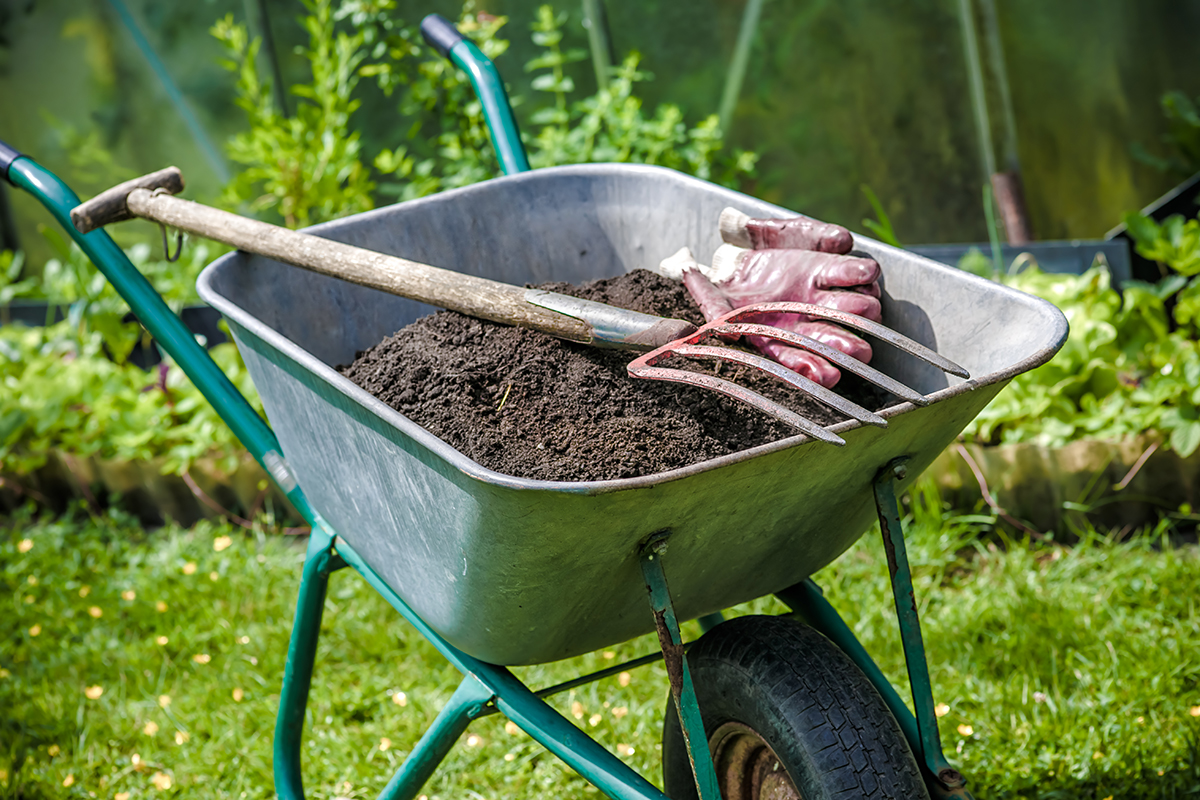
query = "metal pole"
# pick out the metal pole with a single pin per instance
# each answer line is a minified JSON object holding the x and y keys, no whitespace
{"x":173,"y":93}
{"x":737,"y":66}
{"x":595,"y":19}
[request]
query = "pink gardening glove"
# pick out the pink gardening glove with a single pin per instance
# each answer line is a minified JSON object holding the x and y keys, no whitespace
{"x":793,"y":260}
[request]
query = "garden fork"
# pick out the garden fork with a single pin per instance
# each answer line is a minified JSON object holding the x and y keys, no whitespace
{"x":573,"y":319}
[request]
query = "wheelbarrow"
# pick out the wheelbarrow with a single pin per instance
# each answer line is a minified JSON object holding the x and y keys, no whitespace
{"x":498,"y":571}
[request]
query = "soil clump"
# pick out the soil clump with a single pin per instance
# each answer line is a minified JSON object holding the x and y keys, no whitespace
{"x":526,"y":404}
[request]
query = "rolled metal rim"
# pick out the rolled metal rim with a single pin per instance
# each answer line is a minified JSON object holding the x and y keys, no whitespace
{"x":747,"y":768}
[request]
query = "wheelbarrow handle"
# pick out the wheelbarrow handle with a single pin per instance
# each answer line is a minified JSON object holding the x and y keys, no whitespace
{"x":558,"y":315}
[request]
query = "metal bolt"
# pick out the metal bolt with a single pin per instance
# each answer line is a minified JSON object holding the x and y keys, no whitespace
{"x":951,"y":778}
{"x":900,"y":471}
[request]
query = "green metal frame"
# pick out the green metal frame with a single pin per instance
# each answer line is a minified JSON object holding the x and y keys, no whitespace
{"x":485,"y":688}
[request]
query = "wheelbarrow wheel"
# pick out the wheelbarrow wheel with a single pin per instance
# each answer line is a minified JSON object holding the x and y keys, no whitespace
{"x":787,"y":716}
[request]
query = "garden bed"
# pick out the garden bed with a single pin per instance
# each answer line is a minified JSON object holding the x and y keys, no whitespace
{"x":1114,"y":485}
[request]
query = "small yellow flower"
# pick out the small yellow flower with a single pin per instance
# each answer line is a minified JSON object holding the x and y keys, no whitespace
{"x":1194,"y":711}
{"x":473,"y":740}
{"x":189,"y":568}
{"x":620,"y":711}
{"x":151,"y":728}
{"x":609,"y":655}
{"x":1140,"y":720}
{"x":181,"y":737}
{"x":25,"y":545}
{"x":95,"y":613}
{"x":93,"y":692}
{"x":595,"y":720}
{"x":941,"y":709}
{"x":202,"y":658}
{"x":35,"y":630}
{"x":400,"y":699}
{"x":69,"y":780}
{"x":511,"y":728}
{"x":129,"y":594}
{"x":164,"y":700}
{"x":577,"y":710}
{"x":84,"y":591}
{"x":161,"y":781}
{"x":160,"y":606}
{"x":162,"y":640}
{"x":4,"y":673}
{"x":1110,"y":797}
{"x":347,"y":787}
{"x":510,"y":756}
{"x":625,"y":750}
{"x":222,"y":543}
{"x":965,"y":730}
{"x":30,"y":599}
{"x":31,"y":580}
{"x":213,"y":576}
{"x":53,"y":750}
{"x":624,"y":678}
{"x":121,"y":796}
{"x":243,"y":640}
{"x":1096,"y":756}
{"x":238,"y":694}
{"x":136,"y":761}
{"x":385,"y":743}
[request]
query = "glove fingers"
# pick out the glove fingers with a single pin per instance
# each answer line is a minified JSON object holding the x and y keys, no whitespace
{"x":712,"y":301}
{"x":851,"y":302}
{"x":846,"y":272}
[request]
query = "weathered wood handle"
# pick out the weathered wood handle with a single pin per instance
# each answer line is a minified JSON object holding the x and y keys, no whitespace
{"x":477,"y":297}
{"x":110,"y":205}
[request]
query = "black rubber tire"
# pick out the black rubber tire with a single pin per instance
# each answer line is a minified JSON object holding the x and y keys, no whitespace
{"x":826,"y":724}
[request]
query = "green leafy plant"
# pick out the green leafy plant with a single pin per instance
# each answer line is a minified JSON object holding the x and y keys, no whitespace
{"x":304,"y":168}
{"x":883,"y":228}
{"x":62,"y":393}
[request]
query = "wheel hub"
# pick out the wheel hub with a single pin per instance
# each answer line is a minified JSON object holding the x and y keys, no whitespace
{"x":747,"y":768}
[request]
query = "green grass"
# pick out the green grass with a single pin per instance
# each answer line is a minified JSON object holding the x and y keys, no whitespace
{"x":1076,"y":669}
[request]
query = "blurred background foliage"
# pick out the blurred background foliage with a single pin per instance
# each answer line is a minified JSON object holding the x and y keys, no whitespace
{"x":836,"y":95}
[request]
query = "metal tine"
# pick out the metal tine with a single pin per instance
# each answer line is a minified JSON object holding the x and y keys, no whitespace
{"x":850,"y":321}
{"x":809,"y":387}
{"x":848,"y":363}
{"x":740,"y":393}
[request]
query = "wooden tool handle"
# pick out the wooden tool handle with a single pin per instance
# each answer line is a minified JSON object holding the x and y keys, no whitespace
{"x":477,"y":297}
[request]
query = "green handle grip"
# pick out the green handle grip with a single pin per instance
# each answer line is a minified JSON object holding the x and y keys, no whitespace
{"x":441,"y":34}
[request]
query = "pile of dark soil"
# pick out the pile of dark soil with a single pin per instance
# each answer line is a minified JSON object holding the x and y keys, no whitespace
{"x":529,"y":405}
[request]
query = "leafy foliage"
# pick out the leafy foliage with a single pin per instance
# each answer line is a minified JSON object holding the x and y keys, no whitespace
{"x":1129,"y":366}
{"x":62,"y":393}
{"x":304,"y":168}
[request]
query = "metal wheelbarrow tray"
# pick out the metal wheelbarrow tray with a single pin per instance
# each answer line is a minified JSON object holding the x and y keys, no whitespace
{"x":515,"y":571}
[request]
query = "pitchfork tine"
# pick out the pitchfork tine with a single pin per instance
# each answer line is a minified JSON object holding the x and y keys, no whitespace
{"x":850,"y":321}
{"x":810,"y":387}
{"x":740,"y":393}
{"x":847,"y":363}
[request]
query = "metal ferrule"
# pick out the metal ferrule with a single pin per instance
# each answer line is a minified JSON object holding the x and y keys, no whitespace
{"x":611,"y":326}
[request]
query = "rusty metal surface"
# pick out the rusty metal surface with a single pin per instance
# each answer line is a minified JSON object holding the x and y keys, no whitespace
{"x":517,"y":571}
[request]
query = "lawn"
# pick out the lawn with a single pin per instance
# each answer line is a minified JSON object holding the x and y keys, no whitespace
{"x":146,"y":663}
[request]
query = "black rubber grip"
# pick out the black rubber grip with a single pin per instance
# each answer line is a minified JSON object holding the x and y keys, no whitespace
{"x":440,"y":33}
{"x":7,"y":156}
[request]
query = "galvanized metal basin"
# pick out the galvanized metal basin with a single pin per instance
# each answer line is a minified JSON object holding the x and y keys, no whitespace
{"x":516,"y":571}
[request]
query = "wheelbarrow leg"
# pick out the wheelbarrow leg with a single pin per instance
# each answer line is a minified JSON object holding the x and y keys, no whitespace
{"x":464,"y":705}
{"x":298,"y":671}
{"x":921,"y":731}
{"x":683,"y":693}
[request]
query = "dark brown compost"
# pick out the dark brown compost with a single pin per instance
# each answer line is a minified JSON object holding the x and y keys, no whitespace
{"x":526,"y":404}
